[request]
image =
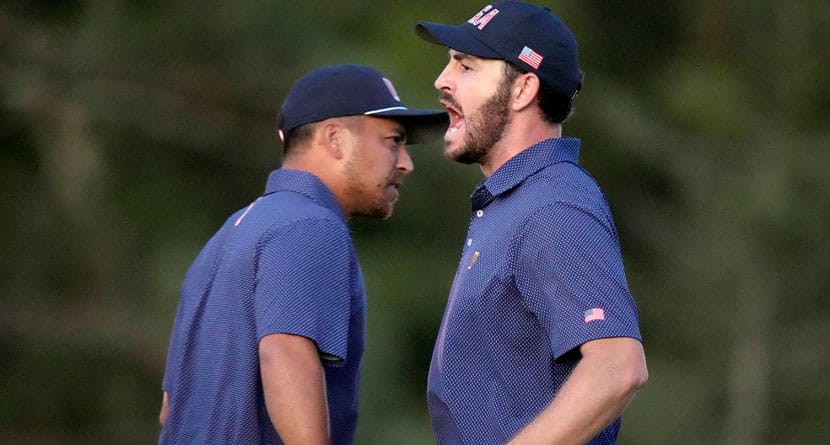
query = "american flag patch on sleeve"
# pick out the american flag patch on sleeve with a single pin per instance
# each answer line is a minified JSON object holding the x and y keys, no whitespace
{"x":594,"y":314}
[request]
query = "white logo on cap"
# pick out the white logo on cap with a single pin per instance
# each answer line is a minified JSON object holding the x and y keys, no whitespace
{"x":391,"y":89}
{"x":483,"y":17}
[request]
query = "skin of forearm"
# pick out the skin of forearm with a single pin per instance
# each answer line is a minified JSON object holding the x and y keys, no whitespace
{"x":164,"y":408}
{"x":595,"y":394}
{"x":294,"y":387}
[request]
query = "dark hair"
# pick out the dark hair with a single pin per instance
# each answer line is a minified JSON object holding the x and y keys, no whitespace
{"x":556,"y":107}
{"x":297,"y":137}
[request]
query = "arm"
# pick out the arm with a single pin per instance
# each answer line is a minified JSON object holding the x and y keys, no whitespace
{"x":294,"y":388}
{"x":164,"y":408}
{"x":599,"y":388}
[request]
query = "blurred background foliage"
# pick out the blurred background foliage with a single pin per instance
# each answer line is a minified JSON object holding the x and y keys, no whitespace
{"x":129,"y":129}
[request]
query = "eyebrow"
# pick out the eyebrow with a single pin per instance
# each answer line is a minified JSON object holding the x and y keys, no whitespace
{"x":399,"y":132}
{"x":457,"y":55}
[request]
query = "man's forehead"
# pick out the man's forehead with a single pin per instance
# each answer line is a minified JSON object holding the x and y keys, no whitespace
{"x":455,"y":54}
{"x":387,"y":123}
{"x":458,"y":55}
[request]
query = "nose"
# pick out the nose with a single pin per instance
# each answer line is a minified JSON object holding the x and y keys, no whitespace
{"x":404,"y":164}
{"x":442,"y":82}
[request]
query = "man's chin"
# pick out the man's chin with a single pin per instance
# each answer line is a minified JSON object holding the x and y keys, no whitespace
{"x":462,"y":155}
{"x":377,"y":212}
{"x":453,"y":152}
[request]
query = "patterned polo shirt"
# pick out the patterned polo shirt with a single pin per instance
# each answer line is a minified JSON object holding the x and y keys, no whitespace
{"x":540,"y":274}
{"x":284,"y":264}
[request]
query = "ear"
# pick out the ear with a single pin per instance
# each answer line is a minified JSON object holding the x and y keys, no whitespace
{"x":332,"y":134}
{"x":525,"y":89}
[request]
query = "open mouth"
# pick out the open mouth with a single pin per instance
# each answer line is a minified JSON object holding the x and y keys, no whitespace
{"x":393,"y":192}
{"x":395,"y":183}
{"x":456,"y":118}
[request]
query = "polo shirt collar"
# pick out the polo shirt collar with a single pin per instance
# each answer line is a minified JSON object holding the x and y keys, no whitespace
{"x":306,"y":184}
{"x":524,"y":165}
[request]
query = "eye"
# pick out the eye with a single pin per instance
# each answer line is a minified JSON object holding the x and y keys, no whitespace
{"x":461,"y":61}
{"x":396,"y":141}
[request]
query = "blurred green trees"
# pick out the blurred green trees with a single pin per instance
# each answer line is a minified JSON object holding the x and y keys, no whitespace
{"x":130,"y":129}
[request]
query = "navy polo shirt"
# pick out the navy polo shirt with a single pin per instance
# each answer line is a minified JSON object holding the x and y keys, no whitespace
{"x":540,"y":274}
{"x":284,"y":264}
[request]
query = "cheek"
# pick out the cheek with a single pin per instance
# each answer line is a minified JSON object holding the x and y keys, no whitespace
{"x":376,"y":164}
{"x":383,"y":159}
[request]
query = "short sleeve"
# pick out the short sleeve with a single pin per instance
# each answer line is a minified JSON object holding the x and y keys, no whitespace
{"x":570,"y":274}
{"x":304,"y":286}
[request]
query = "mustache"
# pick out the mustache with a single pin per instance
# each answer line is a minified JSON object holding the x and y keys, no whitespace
{"x":448,"y":99}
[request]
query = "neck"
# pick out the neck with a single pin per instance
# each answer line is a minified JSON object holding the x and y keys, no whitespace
{"x":323,"y":169}
{"x":519,"y":135}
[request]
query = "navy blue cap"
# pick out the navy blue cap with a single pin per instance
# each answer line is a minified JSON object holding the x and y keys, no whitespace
{"x":349,"y":90}
{"x":530,"y":36}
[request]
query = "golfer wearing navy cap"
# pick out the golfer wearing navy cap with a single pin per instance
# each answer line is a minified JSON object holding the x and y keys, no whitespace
{"x":540,"y":342}
{"x":268,"y":336}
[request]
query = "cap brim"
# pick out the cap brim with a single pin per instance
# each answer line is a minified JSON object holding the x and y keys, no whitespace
{"x":421,"y":125}
{"x":455,"y":37}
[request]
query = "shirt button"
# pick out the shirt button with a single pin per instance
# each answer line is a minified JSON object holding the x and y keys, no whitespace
{"x":470,"y":242}
{"x":480,"y":213}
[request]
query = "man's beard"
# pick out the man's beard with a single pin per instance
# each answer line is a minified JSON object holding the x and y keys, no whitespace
{"x":367,"y":201}
{"x":485,"y":128}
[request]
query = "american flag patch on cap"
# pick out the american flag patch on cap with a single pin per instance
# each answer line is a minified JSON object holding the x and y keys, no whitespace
{"x":531,"y":57}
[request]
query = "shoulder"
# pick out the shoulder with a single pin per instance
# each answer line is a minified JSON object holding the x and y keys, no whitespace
{"x":566,"y":182}
{"x":290,"y":204}
{"x":284,"y":222}
{"x":563,"y":186}
{"x":564,"y":198}
{"x":287,"y":210}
